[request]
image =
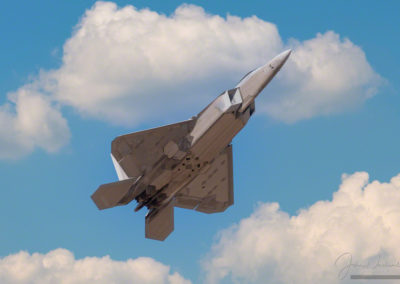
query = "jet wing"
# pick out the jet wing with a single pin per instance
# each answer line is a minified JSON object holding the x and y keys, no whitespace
{"x":212,"y":190}
{"x":139,"y":151}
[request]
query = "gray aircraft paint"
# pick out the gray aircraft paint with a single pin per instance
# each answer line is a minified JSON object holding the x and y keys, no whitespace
{"x":186,"y":164}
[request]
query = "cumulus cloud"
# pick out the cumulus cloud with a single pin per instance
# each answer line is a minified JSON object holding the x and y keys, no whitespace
{"x":128,"y":66}
{"x":360,"y":225}
{"x":60,"y":266}
{"x":324,"y":75}
{"x":30,"y":120}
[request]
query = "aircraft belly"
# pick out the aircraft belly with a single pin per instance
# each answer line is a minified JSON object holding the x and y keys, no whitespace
{"x":201,"y":154}
{"x":217,"y":137}
{"x":186,"y":164}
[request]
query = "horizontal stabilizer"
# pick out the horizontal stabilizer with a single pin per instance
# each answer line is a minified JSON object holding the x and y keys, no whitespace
{"x":160,"y":224}
{"x":110,"y":194}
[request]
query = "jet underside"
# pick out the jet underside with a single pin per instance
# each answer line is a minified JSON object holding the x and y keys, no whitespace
{"x":186,"y":164}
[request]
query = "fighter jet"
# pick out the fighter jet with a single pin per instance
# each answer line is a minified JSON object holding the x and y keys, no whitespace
{"x":186,"y":164}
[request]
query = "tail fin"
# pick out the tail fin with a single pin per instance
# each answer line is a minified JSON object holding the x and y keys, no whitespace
{"x":110,"y":194}
{"x":160,"y":222}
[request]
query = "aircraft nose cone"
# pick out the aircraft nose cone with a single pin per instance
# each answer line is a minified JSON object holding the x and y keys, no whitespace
{"x":277,"y":62}
{"x":254,"y":82}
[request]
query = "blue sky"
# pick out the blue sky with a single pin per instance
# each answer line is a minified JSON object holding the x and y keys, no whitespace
{"x":46,"y":202}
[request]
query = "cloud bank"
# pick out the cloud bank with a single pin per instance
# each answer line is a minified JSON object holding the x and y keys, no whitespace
{"x":360,"y":224}
{"x":60,"y":266}
{"x":127,"y":66}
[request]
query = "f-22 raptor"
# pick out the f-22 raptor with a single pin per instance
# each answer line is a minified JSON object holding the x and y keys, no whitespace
{"x":186,"y":164}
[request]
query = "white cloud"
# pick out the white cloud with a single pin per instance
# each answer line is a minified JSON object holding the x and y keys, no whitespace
{"x":128,"y":66}
{"x":60,"y":266}
{"x":30,"y":120}
{"x":363,"y":220}
{"x":324,"y":75}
